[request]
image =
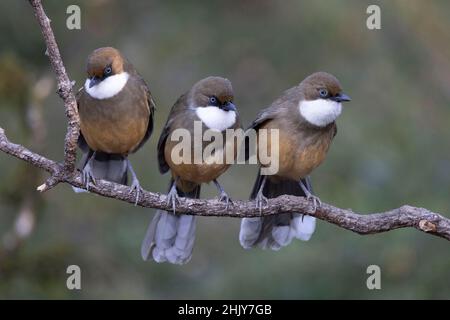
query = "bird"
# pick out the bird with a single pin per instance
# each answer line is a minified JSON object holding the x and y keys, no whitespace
{"x":305,"y":118}
{"x":170,"y":237}
{"x":116,"y":112}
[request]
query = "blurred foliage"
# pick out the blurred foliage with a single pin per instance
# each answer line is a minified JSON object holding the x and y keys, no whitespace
{"x":392,"y":146}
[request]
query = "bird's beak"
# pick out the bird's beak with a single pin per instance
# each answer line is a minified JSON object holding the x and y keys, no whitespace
{"x":341,"y":97}
{"x":93,"y":81}
{"x":229,"y":106}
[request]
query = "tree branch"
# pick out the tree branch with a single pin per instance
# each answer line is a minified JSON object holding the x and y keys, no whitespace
{"x":64,"y":89}
{"x":403,"y":217}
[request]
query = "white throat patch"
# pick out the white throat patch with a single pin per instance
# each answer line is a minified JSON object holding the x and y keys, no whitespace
{"x":107,"y":88}
{"x":215,"y":118}
{"x":320,"y":112}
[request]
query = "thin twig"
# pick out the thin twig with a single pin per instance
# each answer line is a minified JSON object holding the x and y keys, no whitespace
{"x":64,"y":88}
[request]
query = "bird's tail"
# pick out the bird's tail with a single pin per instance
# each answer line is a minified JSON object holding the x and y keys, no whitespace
{"x":111,"y":167}
{"x":277,"y":231}
{"x":170,"y":237}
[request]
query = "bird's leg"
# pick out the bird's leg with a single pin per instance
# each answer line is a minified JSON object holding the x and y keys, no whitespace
{"x":223,"y":196}
{"x":88,"y":172}
{"x":260,"y":198}
{"x":309,"y":196}
{"x":135,"y":185}
{"x":172,"y":196}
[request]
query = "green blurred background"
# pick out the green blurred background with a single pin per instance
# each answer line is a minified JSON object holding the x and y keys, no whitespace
{"x":392,"y":146}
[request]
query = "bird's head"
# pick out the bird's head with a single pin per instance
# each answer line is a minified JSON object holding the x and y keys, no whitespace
{"x":214,"y":92}
{"x":212,"y":99}
{"x":103,"y":63}
{"x":106,"y":74}
{"x":322,"y":98}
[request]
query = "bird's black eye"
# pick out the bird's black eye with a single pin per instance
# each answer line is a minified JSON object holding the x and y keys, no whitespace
{"x":323,"y":93}
{"x":107,"y":71}
{"x":213,"y":101}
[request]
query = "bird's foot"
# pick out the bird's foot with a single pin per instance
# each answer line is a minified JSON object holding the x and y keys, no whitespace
{"x":172,"y":197}
{"x":136,"y":186}
{"x":261,"y":201}
{"x":315,"y":200}
{"x":224,"y":197}
{"x":88,"y":175}
{"x":309,"y":195}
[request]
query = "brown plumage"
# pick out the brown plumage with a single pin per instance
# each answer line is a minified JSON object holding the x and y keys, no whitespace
{"x":117,"y":125}
{"x":107,"y":56}
{"x":301,"y":148}
{"x":170,"y":237}
{"x":116,"y":117}
{"x":305,"y":119}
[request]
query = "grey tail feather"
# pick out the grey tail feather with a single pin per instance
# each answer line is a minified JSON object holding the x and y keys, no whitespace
{"x":111,"y":167}
{"x":170,"y":237}
{"x":276,"y":231}
{"x":106,"y":166}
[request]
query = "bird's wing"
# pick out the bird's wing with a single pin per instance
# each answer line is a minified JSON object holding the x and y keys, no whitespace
{"x":280,"y":105}
{"x":82,"y":144}
{"x":163,"y":166}
{"x":286,"y":100}
{"x":263,"y":116}
{"x":151,"y":108}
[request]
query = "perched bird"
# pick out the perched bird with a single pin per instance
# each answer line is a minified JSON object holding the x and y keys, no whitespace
{"x":170,"y":237}
{"x":116,"y":117}
{"x":305,"y":118}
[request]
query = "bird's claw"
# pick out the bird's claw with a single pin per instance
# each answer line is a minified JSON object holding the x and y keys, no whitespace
{"x":223,"y":197}
{"x":261,"y":201}
{"x":315,"y":200}
{"x":88,"y":176}
{"x":136,"y":186}
{"x":172,"y":197}
{"x":309,"y":195}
